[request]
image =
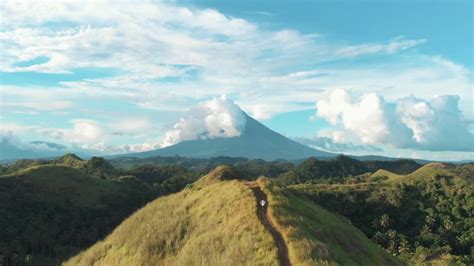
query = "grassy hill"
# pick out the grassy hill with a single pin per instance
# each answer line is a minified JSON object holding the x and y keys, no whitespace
{"x":341,"y":169}
{"x":427,"y":172}
{"x":423,"y":217}
{"x":214,"y":222}
{"x":63,"y":185}
{"x":96,"y":166}
{"x":49,"y":210}
{"x":317,"y":237}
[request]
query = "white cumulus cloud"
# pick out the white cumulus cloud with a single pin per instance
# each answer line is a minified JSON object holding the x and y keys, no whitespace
{"x":216,"y":118}
{"x":410,"y":122}
{"x":436,"y":124}
{"x":83,"y":131}
{"x":140,"y":147}
{"x":131,"y":126}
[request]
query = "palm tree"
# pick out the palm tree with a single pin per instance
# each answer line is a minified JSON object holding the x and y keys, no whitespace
{"x":430,"y":220}
{"x":448,"y":224}
{"x":384,"y":221}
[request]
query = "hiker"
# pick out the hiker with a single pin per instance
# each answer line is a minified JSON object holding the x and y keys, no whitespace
{"x":262,"y":202}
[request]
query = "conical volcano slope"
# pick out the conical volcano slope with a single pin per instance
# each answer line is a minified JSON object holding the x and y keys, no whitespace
{"x":219,"y":221}
{"x":256,"y":142}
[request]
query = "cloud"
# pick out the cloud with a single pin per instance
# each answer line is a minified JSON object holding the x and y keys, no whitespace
{"x":40,"y":106}
{"x":28,"y":99}
{"x":131,"y":126}
{"x":159,"y":56}
{"x":397,"y":44}
{"x":205,"y":51}
{"x":85,"y":136}
{"x":141,"y":147}
{"x":11,"y":147}
{"x":174,"y":35}
{"x":8,"y":128}
{"x":104,"y":148}
{"x":83,"y":131}
{"x":262,"y":13}
{"x":370,"y":118}
{"x":332,"y":145}
{"x":434,"y":125}
{"x":216,"y":118}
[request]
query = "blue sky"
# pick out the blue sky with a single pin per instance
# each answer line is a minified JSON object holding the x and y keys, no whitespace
{"x":447,"y":25}
{"x":357,"y":77}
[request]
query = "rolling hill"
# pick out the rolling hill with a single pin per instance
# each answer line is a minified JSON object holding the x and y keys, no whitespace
{"x":256,"y":142}
{"x":217,"y":221}
{"x":95,"y":166}
{"x":424,"y":217}
{"x":342,"y":168}
{"x":49,"y":211}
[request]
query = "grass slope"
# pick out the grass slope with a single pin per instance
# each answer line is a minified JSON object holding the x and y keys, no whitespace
{"x":214,"y":222}
{"x":96,"y":166}
{"x":427,"y":214}
{"x":389,"y":179}
{"x":424,"y":173}
{"x":211,"y":223}
{"x":64,"y":185}
{"x":317,"y":237}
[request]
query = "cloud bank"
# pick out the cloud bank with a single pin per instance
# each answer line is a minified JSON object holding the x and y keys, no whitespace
{"x":150,"y":42}
{"x":332,"y":145}
{"x":216,"y":118}
{"x":410,"y":122}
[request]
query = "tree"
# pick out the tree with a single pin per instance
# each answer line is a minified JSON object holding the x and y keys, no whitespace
{"x":430,"y":221}
{"x":384,"y":221}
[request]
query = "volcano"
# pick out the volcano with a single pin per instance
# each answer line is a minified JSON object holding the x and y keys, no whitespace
{"x":255,"y":142}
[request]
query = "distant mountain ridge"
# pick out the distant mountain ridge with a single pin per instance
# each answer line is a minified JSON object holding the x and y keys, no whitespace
{"x":256,"y":142}
{"x":12,"y":149}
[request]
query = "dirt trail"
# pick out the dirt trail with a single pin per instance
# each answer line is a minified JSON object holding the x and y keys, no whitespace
{"x":267,"y":223}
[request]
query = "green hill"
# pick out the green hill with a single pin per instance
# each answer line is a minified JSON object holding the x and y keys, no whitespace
{"x":426,"y":172}
{"x":64,"y":185}
{"x":52,"y":210}
{"x":70,"y":160}
{"x":423,"y":217}
{"x":214,"y":221}
{"x":99,"y":167}
{"x":342,"y":168}
{"x":96,"y":166}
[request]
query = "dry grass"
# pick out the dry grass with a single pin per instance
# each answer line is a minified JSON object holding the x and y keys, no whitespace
{"x":214,"y":222}
{"x":426,"y":173}
{"x":211,"y":223}
{"x":318,"y":237}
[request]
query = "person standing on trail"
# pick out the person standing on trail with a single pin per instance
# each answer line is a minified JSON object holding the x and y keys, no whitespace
{"x":263,"y":202}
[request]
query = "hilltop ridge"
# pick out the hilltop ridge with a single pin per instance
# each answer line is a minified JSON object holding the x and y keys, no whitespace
{"x":214,"y":221}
